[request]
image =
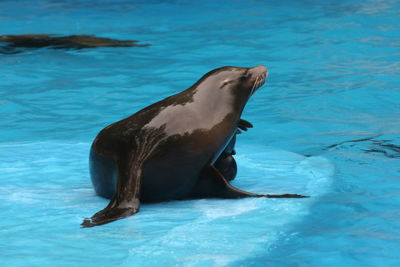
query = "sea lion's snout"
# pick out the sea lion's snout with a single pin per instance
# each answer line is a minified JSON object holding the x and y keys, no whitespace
{"x":259,"y":75}
{"x":259,"y":71}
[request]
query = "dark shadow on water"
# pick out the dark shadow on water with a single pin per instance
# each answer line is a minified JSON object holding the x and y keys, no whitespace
{"x":370,"y":145}
{"x":13,"y":44}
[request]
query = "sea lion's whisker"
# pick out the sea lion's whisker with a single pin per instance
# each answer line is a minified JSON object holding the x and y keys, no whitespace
{"x":254,"y":86}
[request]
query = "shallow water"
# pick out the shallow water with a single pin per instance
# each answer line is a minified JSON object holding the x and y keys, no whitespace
{"x":332,"y":94}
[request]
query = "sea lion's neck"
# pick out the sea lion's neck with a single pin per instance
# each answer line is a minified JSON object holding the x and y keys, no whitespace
{"x":198,"y":108}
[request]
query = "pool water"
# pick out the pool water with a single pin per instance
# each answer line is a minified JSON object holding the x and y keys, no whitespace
{"x":326,"y":124}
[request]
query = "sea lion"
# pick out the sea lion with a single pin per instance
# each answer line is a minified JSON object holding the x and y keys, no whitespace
{"x":168,"y":150}
{"x":60,"y":42}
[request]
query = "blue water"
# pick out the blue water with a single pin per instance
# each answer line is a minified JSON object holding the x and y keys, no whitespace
{"x":325,"y":124}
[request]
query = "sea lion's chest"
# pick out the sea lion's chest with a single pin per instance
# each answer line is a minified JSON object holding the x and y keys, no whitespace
{"x":177,"y":162}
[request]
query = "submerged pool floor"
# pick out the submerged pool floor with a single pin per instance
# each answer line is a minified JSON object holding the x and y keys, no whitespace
{"x":45,"y":211}
{"x":326,"y":124}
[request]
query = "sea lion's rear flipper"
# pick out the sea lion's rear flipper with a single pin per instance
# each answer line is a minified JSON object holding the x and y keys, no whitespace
{"x":212,"y":184}
{"x":125,"y":201}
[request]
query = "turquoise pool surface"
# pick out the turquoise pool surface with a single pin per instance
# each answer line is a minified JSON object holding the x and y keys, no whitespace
{"x":326,"y":124}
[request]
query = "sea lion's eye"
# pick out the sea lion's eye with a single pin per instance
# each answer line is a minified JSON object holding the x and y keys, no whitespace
{"x":225,"y":82}
{"x":244,"y":77}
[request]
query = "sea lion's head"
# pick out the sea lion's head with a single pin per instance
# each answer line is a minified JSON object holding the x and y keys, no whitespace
{"x":243,"y":81}
{"x":234,"y":83}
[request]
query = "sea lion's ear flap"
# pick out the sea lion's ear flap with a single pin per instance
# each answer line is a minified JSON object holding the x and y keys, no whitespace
{"x":125,"y":201}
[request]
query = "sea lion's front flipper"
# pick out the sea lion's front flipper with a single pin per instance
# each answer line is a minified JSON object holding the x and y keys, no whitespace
{"x":212,"y":184}
{"x":125,"y":201}
{"x":114,"y":211}
{"x":244,"y":125}
{"x":226,"y":165}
